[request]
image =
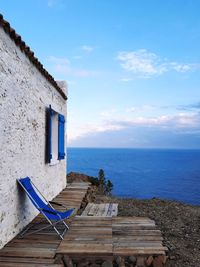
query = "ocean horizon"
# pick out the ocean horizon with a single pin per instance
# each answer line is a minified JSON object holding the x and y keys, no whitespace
{"x":143,"y":173}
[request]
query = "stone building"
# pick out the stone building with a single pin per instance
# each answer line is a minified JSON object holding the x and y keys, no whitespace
{"x":32,"y":129}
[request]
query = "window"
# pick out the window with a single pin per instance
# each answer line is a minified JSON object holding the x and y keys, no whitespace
{"x":56,"y":136}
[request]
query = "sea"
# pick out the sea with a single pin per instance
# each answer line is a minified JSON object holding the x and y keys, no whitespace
{"x":172,"y":174}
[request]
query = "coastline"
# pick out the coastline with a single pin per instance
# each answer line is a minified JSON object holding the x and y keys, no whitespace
{"x":178,"y":222}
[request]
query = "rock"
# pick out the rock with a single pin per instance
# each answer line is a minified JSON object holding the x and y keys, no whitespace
{"x":140,"y":262}
{"x":158,"y":261}
{"x":149,"y":260}
{"x":132,"y":259}
{"x":67,"y":261}
{"x":59,"y":259}
{"x":107,"y":264}
{"x":120,"y":261}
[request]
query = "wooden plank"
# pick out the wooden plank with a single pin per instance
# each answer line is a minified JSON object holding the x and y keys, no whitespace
{"x":93,"y":210}
{"x":128,"y":220}
{"x":28,"y":264}
{"x":87,"y":209}
{"x":138,"y":251}
{"x":86,"y":248}
{"x":109,"y":213}
{"x":138,"y":244}
{"x":135,"y":227}
{"x":32,"y":245}
{"x":114,"y":209}
{"x":101,"y":209}
{"x":25,"y":260}
{"x":28,"y":252}
{"x":105,"y":209}
{"x":85,"y":218}
{"x":138,"y":238}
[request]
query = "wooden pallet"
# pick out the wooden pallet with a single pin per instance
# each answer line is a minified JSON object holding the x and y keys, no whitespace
{"x":103,"y":210}
{"x":136,"y":236}
{"x":39,"y":249}
{"x":88,"y":235}
{"x":110,"y":237}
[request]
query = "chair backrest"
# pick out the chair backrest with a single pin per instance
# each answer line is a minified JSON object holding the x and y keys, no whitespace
{"x":37,"y":199}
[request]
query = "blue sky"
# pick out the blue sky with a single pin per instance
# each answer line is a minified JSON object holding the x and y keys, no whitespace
{"x":132,"y":67}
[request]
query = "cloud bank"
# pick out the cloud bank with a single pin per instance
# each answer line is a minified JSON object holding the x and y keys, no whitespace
{"x":181,"y":124}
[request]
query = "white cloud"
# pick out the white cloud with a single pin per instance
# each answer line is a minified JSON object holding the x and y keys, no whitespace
{"x":178,"y":121}
{"x":63,"y":66}
{"x":140,"y":61}
{"x":89,"y":129}
{"x":87,"y":48}
{"x":181,"y":122}
{"x":146,"y":64}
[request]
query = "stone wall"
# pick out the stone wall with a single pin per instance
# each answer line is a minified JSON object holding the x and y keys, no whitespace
{"x":25,"y":95}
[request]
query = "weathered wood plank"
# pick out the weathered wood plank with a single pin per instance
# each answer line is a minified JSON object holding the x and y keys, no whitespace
{"x":114,"y":209}
{"x":103,"y":209}
{"x":87,"y":209}
{"x":12,"y":264}
{"x":26,"y":260}
{"x":138,"y":238}
{"x":106,"y":207}
{"x":86,"y":248}
{"x":28,"y":252}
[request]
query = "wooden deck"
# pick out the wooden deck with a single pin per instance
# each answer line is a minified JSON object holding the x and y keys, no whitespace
{"x":97,"y":237}
{"x":107,"y":238}
{"x":40,"y":249}
{"x":102,"y":210}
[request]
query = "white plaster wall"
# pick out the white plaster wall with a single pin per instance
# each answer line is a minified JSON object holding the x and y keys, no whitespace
{"x":24,"y":96}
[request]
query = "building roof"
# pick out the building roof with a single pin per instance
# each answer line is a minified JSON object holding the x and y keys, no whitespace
{"x":30,"y":54}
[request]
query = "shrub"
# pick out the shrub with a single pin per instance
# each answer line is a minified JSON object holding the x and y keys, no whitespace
{"x":105,"y":186}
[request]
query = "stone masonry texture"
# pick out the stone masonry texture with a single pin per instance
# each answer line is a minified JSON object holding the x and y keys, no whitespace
{"x":25,"y":94}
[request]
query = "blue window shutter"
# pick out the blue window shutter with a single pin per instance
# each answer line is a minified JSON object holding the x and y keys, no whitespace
{"x":50,"y":112}
{"x":61,"y":137}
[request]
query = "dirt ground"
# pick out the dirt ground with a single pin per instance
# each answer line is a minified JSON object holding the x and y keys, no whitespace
{"x":179,"y":223}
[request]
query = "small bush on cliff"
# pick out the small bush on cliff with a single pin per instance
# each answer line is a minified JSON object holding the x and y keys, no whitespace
{"x":109,"y":187}
{"x":94,"y":181}
{"x":105,"y":186}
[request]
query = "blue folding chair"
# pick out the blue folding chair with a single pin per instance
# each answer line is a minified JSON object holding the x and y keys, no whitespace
{"x":53,"y":216}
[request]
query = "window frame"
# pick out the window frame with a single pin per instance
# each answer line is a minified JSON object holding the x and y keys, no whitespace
{"x":56,"y":136}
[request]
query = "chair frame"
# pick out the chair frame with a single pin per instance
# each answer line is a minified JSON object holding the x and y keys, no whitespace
{"x":52,"y":224}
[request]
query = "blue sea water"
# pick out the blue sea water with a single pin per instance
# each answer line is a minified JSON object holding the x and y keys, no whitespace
{"x":143,"y":173}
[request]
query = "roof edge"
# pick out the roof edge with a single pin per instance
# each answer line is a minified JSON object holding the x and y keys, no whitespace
{"x":29,"y":53}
